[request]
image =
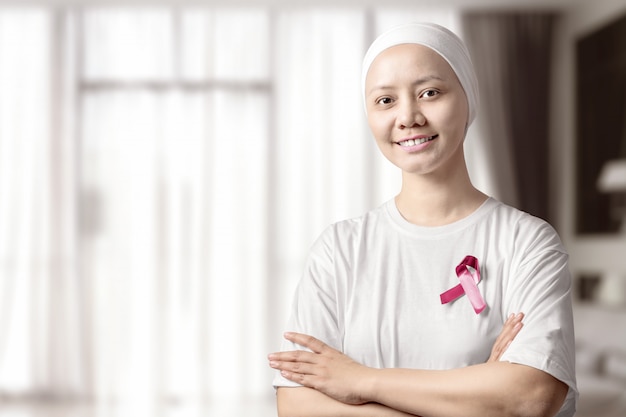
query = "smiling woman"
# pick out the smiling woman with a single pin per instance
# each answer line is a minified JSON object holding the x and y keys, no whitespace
{"x":162,"y":171}
{"x":373,"y":330}
{"x":412,"y":111}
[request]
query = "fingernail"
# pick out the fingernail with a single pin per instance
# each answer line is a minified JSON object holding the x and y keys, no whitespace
{"x":273,"y":364}
{"x":271,"y":356}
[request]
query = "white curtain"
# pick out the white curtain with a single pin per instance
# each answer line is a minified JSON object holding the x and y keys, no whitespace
{"x":38,"y":282}
{"x":24,"y":186}
{"x":326,"y":163}
{"x":163,"y":173}
{"x":174,"y":163}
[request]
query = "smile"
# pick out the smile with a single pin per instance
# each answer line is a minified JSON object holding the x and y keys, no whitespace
{"x":418,"y":141}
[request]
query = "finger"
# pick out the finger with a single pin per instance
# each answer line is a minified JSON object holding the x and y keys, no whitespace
{"x":504,"y":333}
{"x":302,"y":379}
{"x":505,"y":327}
{"x":306,"y":340}
{"x":293,"y":367}
{"x":514,"y":327}
{"x":511,"y":328}
{"x":301,"y":356}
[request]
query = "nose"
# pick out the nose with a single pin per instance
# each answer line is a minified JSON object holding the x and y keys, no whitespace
{"x":410,"y":115}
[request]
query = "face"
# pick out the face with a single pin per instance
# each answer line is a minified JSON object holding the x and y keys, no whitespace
{"x":417,"y":109}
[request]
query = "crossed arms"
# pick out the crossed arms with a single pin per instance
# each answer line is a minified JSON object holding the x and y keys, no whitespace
{"x":333,"y":385}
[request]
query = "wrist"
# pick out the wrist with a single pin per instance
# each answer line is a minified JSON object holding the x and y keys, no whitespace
{"x":368,"y":384}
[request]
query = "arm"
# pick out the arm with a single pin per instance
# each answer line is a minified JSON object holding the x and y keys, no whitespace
{"x":491,"y":389}
{"x":303,"y":401}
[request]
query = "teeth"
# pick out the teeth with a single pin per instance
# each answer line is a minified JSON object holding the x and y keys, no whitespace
{"x":412,"y":142}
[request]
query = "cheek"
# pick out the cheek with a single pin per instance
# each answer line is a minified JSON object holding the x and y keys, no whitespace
{"x":380,"y":125}
{"x":461,"y":112}
{"x":453,"y":117}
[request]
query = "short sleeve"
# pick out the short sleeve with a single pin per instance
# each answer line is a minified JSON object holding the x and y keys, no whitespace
{"x":314,"y":309}
{"x":540,"y":286}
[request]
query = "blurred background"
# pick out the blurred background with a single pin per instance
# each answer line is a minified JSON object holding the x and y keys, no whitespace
{"x":165,"y":166}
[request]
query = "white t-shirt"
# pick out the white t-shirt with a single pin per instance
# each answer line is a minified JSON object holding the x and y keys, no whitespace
{"x":371,"y":289}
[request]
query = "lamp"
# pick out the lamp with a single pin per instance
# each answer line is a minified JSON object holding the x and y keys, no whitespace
{"x":612,"y":180}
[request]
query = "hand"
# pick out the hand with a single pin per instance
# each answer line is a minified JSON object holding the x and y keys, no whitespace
{"x":512,"y":326}
{"x":325,"y":369}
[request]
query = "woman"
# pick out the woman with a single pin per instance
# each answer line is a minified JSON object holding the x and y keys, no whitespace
{"x":398,"y":310}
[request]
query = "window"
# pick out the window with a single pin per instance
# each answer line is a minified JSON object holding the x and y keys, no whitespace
{"x":163,"y":172}
{"x":174,"y":169}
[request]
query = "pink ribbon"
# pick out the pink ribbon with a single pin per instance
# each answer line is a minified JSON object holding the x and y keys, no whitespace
{"x":469,"y":279}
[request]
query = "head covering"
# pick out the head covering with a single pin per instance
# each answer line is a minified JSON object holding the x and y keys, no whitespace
{"x":440,"y":40}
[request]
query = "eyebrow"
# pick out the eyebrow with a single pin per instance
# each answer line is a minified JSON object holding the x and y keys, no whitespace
{"x":419,"y":81}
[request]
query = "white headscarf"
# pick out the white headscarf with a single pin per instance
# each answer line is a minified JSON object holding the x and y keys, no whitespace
{"x":440,"y":40}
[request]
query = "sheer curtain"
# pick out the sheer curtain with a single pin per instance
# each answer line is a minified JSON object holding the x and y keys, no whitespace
{"x":155,"y":217}
{"x":174,"y":162}
{"x":163,"y":172}
{"x":39,"y":314}
{"x":133,"y":207}
{"x":325,"y":162}
{"x":24,"y":169}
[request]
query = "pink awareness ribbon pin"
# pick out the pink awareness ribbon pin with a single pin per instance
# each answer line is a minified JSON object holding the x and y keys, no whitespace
{"x":469,"y":279}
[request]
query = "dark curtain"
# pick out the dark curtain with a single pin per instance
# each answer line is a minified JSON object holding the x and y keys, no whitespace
{"x":512,"y":56}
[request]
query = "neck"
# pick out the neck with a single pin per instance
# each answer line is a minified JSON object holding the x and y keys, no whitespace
{"x":436,"y":200}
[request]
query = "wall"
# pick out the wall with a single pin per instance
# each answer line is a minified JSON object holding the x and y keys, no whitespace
{"x":589,"y":254}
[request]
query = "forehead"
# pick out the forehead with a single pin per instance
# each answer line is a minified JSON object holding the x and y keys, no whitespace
{"x":411,"y":60}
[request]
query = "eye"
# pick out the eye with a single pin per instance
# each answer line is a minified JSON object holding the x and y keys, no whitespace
{"x":384,"y":100}
{"x":429,"y":93}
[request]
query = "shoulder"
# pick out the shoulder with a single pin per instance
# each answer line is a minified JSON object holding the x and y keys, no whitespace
{"x":347,"y":233}
{"x":358,"y":225}
{"x":528,"y":232}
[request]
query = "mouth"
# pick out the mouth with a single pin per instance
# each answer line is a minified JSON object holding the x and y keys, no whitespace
{"x":416,"y":141}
